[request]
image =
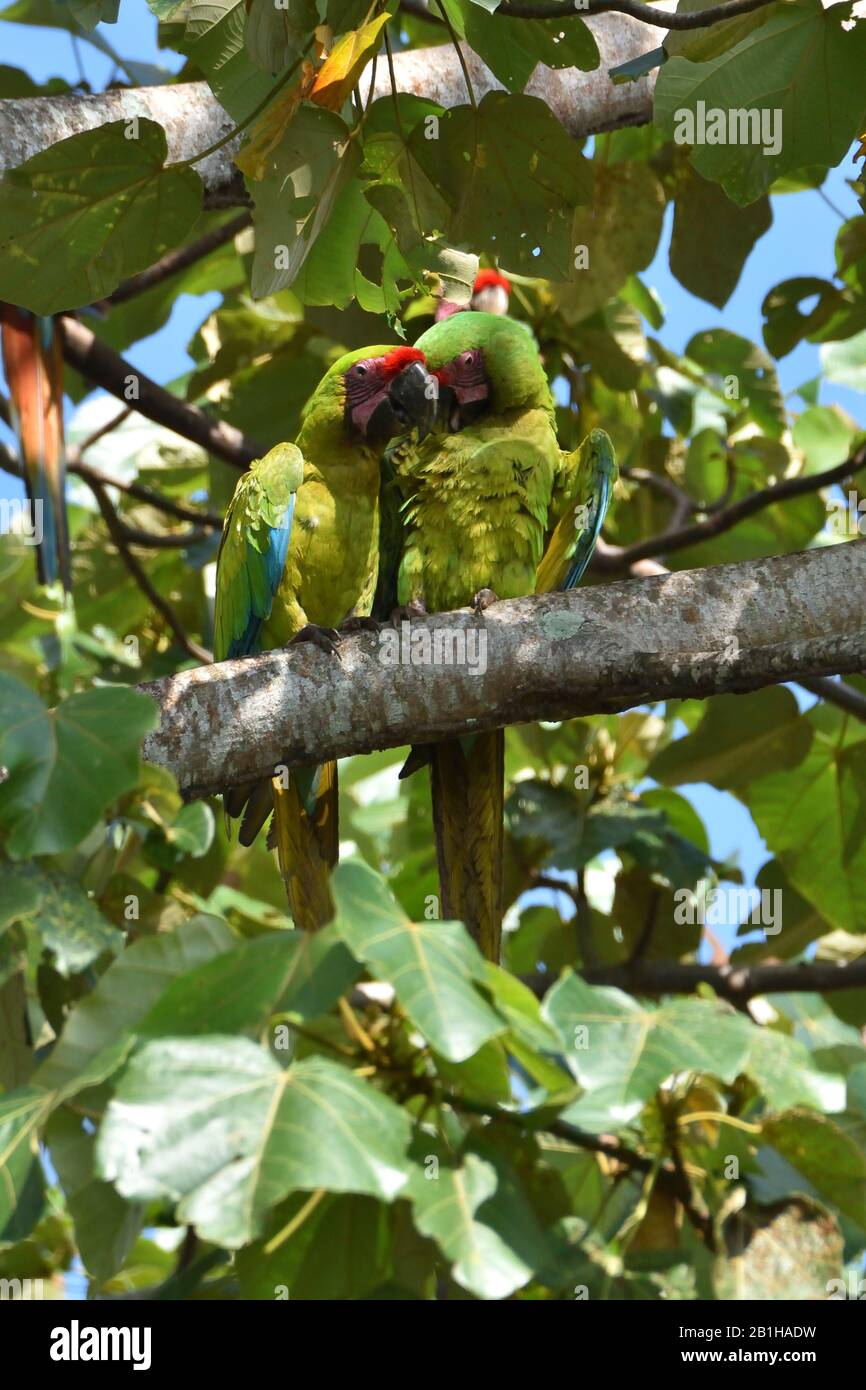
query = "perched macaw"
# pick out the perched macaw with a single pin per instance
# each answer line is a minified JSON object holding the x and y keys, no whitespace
{"x":491,"y":294}
{"x":298,"y":559}
{"x":482,"y":501}
{"x":33,"y":364}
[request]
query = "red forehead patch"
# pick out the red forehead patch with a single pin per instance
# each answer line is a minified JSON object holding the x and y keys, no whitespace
{"x":394,"y":361}
{"x":485,"y":278}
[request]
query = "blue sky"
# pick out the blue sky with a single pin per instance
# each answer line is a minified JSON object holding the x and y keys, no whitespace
{"x":800,"y":242}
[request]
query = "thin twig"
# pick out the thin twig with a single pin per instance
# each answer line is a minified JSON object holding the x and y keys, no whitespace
{"x":618,"y":558}
{"x":837,"y":693}
{"x":459,"y":51}
{"x":649,"y":14}
{"x":177,"y":260}
{"x":89,"y":474}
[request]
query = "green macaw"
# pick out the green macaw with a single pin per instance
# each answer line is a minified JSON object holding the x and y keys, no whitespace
{"x":494,"y":509}
{"x":298,"y":560}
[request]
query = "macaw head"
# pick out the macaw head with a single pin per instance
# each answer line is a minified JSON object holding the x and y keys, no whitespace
{"x":377,"y":393}
{"x":387,"y":392}
{"x":483,"y":363}
{"x":490,"y":293}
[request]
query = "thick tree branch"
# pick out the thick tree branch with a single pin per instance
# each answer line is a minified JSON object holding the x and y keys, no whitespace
{"x":102,"y":366}
{"x":584,"y":102}
{"x":691,"y":634}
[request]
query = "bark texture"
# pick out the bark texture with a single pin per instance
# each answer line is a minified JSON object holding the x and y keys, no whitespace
{"x":584,"y":102}
{"x":695,"y":633}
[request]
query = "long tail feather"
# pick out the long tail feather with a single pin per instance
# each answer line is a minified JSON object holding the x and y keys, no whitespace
{"x":468,"y":782}
{"x":33,"y":363}
{"x":306,"y":838}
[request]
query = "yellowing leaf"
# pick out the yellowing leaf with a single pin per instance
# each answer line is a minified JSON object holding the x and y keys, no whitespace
{"x":860,"y":152}
{"x":341,"y":69}
{"x":268,"y":131}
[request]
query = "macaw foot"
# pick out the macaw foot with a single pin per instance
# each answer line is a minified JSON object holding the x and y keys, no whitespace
{"x":327,"y":639}
{"x":415,"y":608}
{"x":358,"y":624}
{"x":483,"y":600}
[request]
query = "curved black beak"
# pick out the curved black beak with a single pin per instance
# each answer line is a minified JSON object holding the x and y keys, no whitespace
{"x":413,"y":396}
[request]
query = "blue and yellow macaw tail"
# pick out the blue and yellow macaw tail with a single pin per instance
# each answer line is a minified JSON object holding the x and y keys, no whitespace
{"x":584,"y":487}
{"x":33,"y":364}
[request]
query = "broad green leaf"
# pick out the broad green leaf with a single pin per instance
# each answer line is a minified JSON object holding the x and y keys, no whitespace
{"x":620,"y":1052}
{"x":614,"y":236}
{"x":712,"y":236}
{"x":513,"y":50}
{"x":512,"y":179}
{"x":456,"y":1206}
{"x":219,"y":1127}
{"x":484,"y":1077}
{"x":739,"y":739}
{"x":21,"y":1184}
{"x":829,"y":1158}
{"x":331,"y":273}
{"x":783,"y":1069}
{"x":304,"y":176}
{"x":213,"y":40}
{"x":80,"y":216}
{"x":287,"y":972}
{"x":434,"y":966}
{"x":124,"y":995}
{"x":813,"y":818}
{"x":801,"y":922}
{"x":731,"y":358}
{"x":837,"y":313}
{"x":303,"y":1266}
{"x":66,"y":765}
{"x":845,"y":363}
{"x":798,"y":71}
{"x":68,"y":922}
{"x":89,"y":13}
{"x":824,"y":435}
{"x":708,"y":42}
{"x":106,"y":1227}
{"x":276,"y":34}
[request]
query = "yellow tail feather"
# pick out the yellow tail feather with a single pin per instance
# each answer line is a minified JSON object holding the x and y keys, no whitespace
{"x":307,"y":847}
{"x":468,"y":803}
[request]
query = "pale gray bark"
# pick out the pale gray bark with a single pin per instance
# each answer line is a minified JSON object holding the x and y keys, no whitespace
{"x":193,"y":119}
{"x":695,"y":633}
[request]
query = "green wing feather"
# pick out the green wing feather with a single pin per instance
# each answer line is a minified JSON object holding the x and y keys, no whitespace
{"x":582,"y":492}
{"x":253,"y":548}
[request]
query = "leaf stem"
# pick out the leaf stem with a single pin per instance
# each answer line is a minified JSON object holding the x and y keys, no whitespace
{"x":247,"y":120}
{"x":460,"y":56}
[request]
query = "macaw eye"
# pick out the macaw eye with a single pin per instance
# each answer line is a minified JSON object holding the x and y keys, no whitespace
{"x":468,"y":359}
{"x":360,"y":370}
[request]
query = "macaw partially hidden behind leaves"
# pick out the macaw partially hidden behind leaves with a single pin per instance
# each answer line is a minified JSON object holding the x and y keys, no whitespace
{"x":491,"y":294}
{"x":494,"y":510}
{"x":299,"y":559}
{"x":33,"y":365}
